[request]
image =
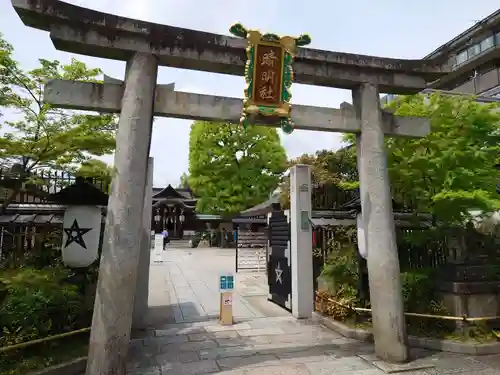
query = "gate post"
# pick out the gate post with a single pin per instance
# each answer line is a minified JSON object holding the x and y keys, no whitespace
{"x":389,"y":328}
{"x":301,"y":241}
{"x":114,"y":301}
{"x":142,"y":291}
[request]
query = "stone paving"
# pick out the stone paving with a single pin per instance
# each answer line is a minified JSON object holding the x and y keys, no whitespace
{"x":184,"y":287}
{"x":265,"y":340}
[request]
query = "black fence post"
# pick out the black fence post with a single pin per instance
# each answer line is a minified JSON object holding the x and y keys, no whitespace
{"x":237,"y":239}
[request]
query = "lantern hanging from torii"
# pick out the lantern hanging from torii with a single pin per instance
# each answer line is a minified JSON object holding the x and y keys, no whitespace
{"x":82,"y":222}
{"x":269,"y":75}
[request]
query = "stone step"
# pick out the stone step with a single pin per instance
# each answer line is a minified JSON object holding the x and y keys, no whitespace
{"x":253,"y":254}
{"x":252,"y":259}
{"x":179,"y":244}
{"x":182,"y":244}
{"x":249,"y":260}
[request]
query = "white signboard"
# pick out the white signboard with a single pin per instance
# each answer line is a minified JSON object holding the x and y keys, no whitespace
{"x":362,"y":246}
{"x":81,"y":230}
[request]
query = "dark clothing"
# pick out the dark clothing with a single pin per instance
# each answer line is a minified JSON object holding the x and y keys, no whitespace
{"x":166,"y":241}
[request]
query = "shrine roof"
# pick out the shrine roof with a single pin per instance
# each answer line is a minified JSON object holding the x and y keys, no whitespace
{"x":82,"y":193}
{"x":85,"y":31}
{"x":32,"y":219}
{"x":355,"y":204}
{"x":185,"y":204}
{"x":171,"y":192}
{"x":262,"y":208}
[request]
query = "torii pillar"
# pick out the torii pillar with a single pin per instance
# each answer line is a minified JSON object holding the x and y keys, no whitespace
{"x":114,"y":303}
{"x":389,"y":327}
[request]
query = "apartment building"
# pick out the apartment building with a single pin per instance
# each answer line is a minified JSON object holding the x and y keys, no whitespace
{"x":473,"y":58}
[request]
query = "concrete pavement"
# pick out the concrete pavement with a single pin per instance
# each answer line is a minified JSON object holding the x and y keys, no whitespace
{"x":185,"y":337}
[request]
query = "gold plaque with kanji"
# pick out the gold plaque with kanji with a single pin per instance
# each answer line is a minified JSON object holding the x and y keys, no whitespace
{"x":269,"y":75}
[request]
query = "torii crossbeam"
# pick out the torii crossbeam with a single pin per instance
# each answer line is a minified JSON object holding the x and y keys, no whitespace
{"x":107,"y":97}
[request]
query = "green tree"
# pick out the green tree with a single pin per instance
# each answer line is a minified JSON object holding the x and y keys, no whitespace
{"x":184,"y":181}
{"x":333,"y":168}
{"x":452,"y":170}
{"x":94,"y":168}
{"x":99,"y":172}
{"x":231,"y":169}
{"x":42,"y":137}
{"x":9,"y":70}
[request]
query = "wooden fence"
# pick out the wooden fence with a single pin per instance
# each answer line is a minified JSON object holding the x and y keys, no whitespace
{"x":31,"y":226}
{"x":418,"y":247}
{"x":330,"y":197}
{"x":33,"y":242}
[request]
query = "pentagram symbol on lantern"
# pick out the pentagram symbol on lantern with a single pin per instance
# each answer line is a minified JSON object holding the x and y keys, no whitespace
{"x":279,"y":273}
{"x":75,"y":234}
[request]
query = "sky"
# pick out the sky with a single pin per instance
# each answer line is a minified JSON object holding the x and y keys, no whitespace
{"x":388,"y":28}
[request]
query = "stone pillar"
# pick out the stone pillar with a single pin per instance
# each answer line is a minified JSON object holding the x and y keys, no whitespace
{"x":139,"y":319}
{"x":301,"y":241}
{"x":114,"y":303}
{"x":389,"y":327}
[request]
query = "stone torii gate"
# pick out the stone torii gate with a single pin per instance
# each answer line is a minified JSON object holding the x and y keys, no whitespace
{"x":144,"y":46}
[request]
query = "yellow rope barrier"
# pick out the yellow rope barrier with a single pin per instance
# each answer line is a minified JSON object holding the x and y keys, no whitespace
{"x":431,"y":316}
{"x":42,"y":340}
{"x":356,"y":309}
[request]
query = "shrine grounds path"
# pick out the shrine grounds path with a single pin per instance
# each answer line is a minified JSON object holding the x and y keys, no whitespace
{"x":186,"y":338}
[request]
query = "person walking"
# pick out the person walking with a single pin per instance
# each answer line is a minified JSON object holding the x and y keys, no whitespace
{"x":225,"y":238}
{"x":166,"y":240}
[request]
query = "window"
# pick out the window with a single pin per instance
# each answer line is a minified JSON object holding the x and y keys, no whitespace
{"x":473,"y":50}
{"x":487,"y":43}
{"x":462,"y":57}
{"x":497,"y":39}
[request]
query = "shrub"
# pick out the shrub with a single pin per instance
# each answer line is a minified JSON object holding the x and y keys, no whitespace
{"x":417,"y":290}
{"x":340,"y":273}
{"x":341,"y":269}
{"x":419,"y":297}
{"x":38,"y":303}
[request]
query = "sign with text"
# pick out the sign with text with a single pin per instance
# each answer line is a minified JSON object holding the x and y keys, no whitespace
{"x":226,"y":282}
{"x":269,"y":75}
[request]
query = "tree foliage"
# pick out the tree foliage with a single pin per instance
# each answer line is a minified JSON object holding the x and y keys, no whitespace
{"x":184,"y":181}
{"x":42,"y":137}
{"x":8,"y":71}
{"x":231,"y":169}
{"x":452,"y":170}
{"x":94,"y":168}
{"x":337,"y":168}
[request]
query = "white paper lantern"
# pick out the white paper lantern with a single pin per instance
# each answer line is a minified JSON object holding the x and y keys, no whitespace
{"x":362,"y":245}
{"x":81,"y":230}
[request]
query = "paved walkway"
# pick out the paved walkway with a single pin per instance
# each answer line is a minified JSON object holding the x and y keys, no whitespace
{"x":184,"y":287}
{"x":266,"y":340}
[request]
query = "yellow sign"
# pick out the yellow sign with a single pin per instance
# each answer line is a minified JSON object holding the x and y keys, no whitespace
{"x":226,"y":308}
